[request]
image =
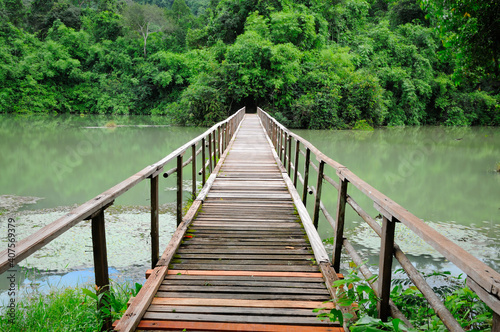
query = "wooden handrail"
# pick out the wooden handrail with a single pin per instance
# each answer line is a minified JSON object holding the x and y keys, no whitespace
{"x":484,"y":279}
{"x":45,"y":235}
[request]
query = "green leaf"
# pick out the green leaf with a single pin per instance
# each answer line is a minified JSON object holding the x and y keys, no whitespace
{"x":89,"y":293}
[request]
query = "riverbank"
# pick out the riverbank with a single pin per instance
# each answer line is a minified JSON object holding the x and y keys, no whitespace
{"x":65,"y":309}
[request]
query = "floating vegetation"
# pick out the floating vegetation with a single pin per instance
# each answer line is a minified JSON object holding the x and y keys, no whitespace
{"x":12,"y":203}
{"x":127,"y":238}
{"x":474,"y":239}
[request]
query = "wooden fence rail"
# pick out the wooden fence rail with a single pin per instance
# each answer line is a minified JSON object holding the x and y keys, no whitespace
{"x":215,"y":139}
{"x":482,"y":279}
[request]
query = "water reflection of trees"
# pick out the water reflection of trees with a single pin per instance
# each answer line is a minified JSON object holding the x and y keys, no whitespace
{"x":57,"y":158}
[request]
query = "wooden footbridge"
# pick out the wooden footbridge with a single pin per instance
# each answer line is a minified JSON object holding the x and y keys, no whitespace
{"x":246,"y":255}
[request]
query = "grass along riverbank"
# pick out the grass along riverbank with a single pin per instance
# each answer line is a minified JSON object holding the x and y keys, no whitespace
{"x":69,"y":309}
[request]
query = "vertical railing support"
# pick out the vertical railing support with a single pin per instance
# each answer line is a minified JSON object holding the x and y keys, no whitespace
{"x":285,"y":150}
{"x":306,"y":176}
{"x":155,"y":242}
{"x":273,"y":128}
{"x":296,"y":163}
{"x":215,"y":148}
{"x":385,"y":267}
{"x":101,"y":264}
{"x":226,"y":135}
{"x":179,"y":189}
{"x":289,"y":155}
{"x":210,"y":152}
{"x":193,"y":161}
{"x":203,"y":161}
{"x":281,"y":143}
{"x":277,"y":138}
{"x":339,"y":224}
{"x":319,"y":184}
{"x":218,"y":142}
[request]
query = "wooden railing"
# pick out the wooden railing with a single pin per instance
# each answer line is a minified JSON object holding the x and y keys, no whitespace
{"x":481,"y":278}
{"x":214,"y":139}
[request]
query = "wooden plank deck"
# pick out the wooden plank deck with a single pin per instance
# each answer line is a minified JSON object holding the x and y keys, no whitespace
{"x":245,"y":263}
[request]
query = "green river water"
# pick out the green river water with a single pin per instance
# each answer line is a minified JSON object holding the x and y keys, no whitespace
{"x":445,"y":176}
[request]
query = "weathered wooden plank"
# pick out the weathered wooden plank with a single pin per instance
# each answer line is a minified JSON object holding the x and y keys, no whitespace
{"x":241,"y":289}
{"x":246,"y":250}
{"x":234,"y":310}
{"x":244,"y":296}
{"x":241,"y":303}
{"x":252,"y":273}
{"x":261,"y":319}
{"x":284,"y":283}
{"x":248,"y":256}
{"x":289,"y":268}
{"x":247,"y":278}
{"x":214,"y":263}
{"x":230,"y":327}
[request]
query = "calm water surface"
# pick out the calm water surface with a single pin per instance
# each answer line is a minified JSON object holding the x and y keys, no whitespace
{"x":444,"y":176}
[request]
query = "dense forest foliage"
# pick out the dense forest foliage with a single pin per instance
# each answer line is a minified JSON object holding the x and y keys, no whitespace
{"x":311,"y":63}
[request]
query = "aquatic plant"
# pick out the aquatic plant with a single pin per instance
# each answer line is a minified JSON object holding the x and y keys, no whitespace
{"x":467,"y":308}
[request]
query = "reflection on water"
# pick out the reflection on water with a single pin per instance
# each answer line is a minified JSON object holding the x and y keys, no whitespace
{"x":63,"y":161}
{"x":444,"y":176}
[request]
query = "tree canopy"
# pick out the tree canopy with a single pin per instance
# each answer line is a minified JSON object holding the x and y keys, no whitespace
{"x":311,"y":63}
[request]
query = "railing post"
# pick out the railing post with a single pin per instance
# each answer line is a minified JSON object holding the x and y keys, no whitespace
{"x":225,"y":137}
{"x":319,"y":184}
{"x":281,"y":143}
{"x":101,"y":264}
{"x":385,"y":267}
{"x":210,"y":152}
{"x":285,"y":141}
{"x":215,"y":148}
{"x":218,"y":142}
{"x":179,"y":189}
{"x":155,"y":242}
{"x":296,"y":163}
{"x":203,"y":161}
{"x":339,"y":224}
{"x":289,"y":155}
{"x":276,"y":137}
{"x":193,"y":161}
{"x":306,"y":176}
{"x":273,"y":136}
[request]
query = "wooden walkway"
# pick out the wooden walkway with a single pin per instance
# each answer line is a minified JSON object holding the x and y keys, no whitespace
{"x":245,"y":263}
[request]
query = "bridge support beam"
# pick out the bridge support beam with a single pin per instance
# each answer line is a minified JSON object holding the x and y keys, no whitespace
{"x":339,"y":224}
{"x":306,"y":176}
{"x":155,"y":241}
{"x":385,"y":267}
{"x":193,"y":161}
{"x":203,"y":161}
{"x":319,"y":185}
{"x":101,"y":264}
{"x":179,"y":189}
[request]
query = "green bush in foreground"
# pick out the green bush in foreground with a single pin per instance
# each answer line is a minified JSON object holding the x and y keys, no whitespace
{"x":70,"y":309}
{"x":467,"y":308}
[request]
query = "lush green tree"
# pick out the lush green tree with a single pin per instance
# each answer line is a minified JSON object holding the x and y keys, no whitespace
{"x":12,"y":11}
{"x":144,"y":20}
{"x":470,"y":31}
